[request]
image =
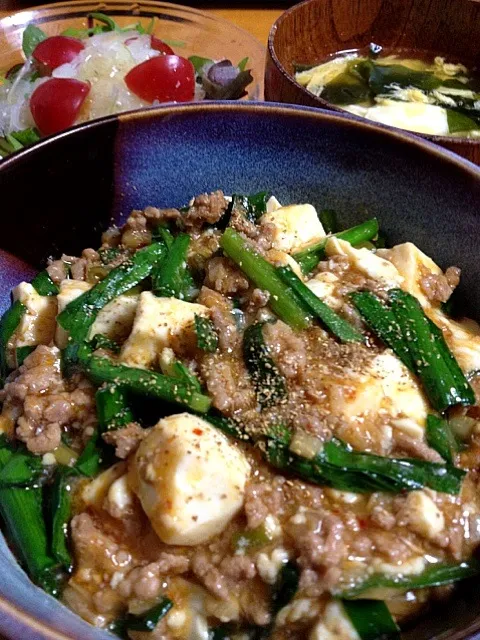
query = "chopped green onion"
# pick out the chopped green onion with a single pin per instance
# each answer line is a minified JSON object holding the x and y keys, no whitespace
{"x":372,"y":619}
{"x":88,"y":463}
{"x":23,"y":469}
{"x":22,"y":513}
{"x":435,"y":576}
{"x":173,"y":278}
{"x":112,"y":407}
{"x":147,"y":383}
{"x":99,"y":341}
{"x":60,"y":507}
{"x":383,"y":323}
{"x":442,"y":378}
{"x":44,"y":285}
{"x":270,"y":385}
{"x":339,"y":327}
{"x":408,"y":473}
{"x":8,"y":325}
{"x":207,"y":336}
{"x":340,"y":467}
{"x":328,"y":218}
{"x":440,"y":437}
{"x":286,"y":586}
{"x":309,"y":258}
{"x":282,"y":299}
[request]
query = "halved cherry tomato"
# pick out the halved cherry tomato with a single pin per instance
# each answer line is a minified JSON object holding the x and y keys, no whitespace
{"x":164,"y":78}
{"x":160,"y":45}
{"x":57,"y":50}
{"x":55,"y":103}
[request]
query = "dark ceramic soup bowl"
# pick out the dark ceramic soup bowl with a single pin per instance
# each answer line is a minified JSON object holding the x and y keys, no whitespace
{"x":59,"y":195}
{"x":311,"y":31}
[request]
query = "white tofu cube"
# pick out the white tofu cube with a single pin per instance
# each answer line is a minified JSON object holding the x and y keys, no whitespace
{"x":37,"y":325}
{"x":296,"y":227}
{"x":269,"y":564}
{"x":411,"y":567}
{"x":282,"y":259}
{"x":158,"y":323}
{"x":421,"y":515}
{"x":189,"y":478}
{"x":115,"y":320}
{"x":94,"y":492}
{"x":367,"y":262}
{"x":324,"y":286}
{"x":463,"y":338}
{"x":410,"y":262}
{"x":69,"y":290}
{"x":386,"y":386}
{"x":273,"y":204}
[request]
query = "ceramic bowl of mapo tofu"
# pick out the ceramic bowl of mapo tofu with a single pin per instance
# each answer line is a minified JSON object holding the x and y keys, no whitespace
{"x":240,"y":390}
{"x":398,"y":64}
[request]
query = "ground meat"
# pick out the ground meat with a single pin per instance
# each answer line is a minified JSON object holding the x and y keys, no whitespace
{"x":221,"y":315}
{"x":209,"y":575}
{"x":78,"y":269}
{"x":287,"y":347}
{"x":413,"y":447}
{"x":57,"y":270}
{"x":146,"y":582}
{"x":260,"y":237}
{"x":257,"y":299}
{"x":263,"y":499}
{"x":205,"y":208}
{"x":383,"y":518}
{"x":111,"y":237}
{"x":227,"y":382}
{"x":46,"y":402}
{"x":161,"y":216}
{"x":337,"y":264}
{"x":125,"y":440}
{"x":79,"y":266}
{"x":439,"y":287}
{"x":202,"y":248}
{"x":321,"y":543}
{"x":390,"y":545}
{"x":238,"y":567}
{"x":224,"y":276}
{"x":95,"y":549}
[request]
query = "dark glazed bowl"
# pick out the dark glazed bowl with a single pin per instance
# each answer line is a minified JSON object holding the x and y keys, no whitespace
{"x":60,"y":194}
{"x":310,"y":31}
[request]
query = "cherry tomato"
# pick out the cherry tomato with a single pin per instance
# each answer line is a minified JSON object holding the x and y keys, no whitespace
{"x":57,"y":50}
{"x":164,"y":78}
{"x":160,"y":45}
{"x":55,"y":103}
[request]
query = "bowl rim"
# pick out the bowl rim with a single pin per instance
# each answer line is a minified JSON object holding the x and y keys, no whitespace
{"x":255,"y":107}
{"x":323,"y":104}
{"x":14,"y":613}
